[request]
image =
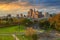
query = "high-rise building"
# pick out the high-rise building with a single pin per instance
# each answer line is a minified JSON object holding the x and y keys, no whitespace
{"x":21,"y":15}
{"x":34,"y":14}
{"x":30,"y":12}
{"x":24,"y":16}
{"x":40,"y":15}
{"x":46,"y":14}
{"x":29,"y":15}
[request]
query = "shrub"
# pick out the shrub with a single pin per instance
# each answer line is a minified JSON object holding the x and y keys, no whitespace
{"x":55,"y":22}
{"x":34,"y":37}
{"x":44,"y":24}
{"x":30,"y":32}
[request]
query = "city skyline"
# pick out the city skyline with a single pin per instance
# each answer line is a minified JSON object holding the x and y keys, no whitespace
{"x":22,"y":6}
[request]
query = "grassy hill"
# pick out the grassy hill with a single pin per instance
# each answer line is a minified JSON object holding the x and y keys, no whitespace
{"x":12,"y":29}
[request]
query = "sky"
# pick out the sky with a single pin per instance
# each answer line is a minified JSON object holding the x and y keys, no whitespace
{"x":23,"y":6}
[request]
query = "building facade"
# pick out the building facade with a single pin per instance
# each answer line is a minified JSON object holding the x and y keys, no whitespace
{"x":34,"y":14}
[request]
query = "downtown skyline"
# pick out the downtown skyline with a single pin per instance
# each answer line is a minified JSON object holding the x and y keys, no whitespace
{"x":22,"y":6}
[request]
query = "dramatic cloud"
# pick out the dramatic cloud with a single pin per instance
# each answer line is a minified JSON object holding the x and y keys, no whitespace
{"x":14,"y":6}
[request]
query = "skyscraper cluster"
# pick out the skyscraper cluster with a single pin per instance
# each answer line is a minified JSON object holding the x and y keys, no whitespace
{"x":34,"y":14}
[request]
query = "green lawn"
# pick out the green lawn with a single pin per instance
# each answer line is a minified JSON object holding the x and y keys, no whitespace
{"x":12,"y":29}
{"x":58,"y":38}
{"x":22,"y":37}
{"x":9,"y":30}
{"x":6,"y":37}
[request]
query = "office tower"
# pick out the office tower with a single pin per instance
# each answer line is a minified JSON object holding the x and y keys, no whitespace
{"x":46,"y":14}
{"x":18,"y":16}
{"x":30,"y":12}
{"x":40,"y":15}
{"x":21,"y":15}
{"x":34,"y":14}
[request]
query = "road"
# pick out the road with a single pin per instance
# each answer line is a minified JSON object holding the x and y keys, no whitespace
{"x":14,"y":36}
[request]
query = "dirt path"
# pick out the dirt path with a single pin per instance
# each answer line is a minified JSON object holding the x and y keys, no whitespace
{"x":16,"y":38}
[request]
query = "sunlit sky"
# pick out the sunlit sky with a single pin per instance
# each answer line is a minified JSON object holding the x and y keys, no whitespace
{"x":22,"y":6}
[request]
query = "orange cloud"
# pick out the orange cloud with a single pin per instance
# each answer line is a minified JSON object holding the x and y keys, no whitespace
{"x":8,"y":7}
{"x":22,"y":6}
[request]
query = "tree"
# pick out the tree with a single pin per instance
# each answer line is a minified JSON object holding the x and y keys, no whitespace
{"x":25,"y":21}
{"x":44,"y":24}
{"x":55,"y":21}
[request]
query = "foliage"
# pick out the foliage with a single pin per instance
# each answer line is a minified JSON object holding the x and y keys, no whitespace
{"x":55,"y":22}
{"x":16,"y":21}
{"x":44,"y":24}
{"x":30,"y":32}
{"x":34,"y":37}
{"x":25,"y":21}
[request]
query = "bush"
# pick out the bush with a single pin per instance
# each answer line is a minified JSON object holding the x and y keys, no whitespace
{"x":34,"y":37}
{"x":30,"y":32}
{"x":55,"y":22}
{"x":44,"y":24}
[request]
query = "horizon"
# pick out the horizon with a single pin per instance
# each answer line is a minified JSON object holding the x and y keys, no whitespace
{"x":25,"y":13}
{"x":22,"y":6}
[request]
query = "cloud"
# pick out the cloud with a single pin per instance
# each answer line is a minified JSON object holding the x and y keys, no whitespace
{"x":49,"y":3}
{"x":7,"y":1}
{"x":25,"y":5}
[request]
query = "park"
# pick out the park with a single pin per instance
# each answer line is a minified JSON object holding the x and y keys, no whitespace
{"x":26,"y":29}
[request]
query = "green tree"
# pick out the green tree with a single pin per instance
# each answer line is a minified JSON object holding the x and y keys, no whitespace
{"x":44,"y":24}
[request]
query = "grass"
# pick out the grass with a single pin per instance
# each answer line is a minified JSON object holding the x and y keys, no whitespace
{"x":9,"y":30}
{"x":23,"y":37}
{"x":6,"y":37}
{"x":12,"y":29}
{"x":58,"y":39}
